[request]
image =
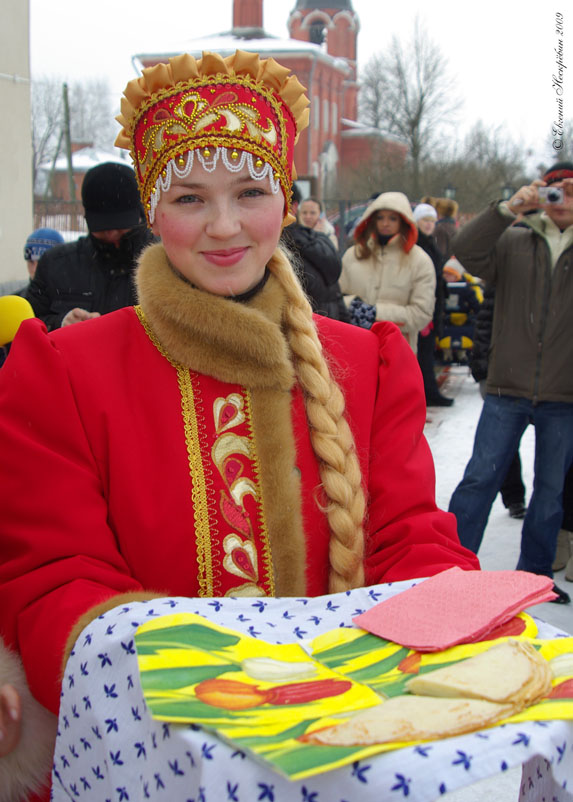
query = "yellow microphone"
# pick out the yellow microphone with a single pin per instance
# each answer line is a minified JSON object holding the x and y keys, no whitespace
{"x":13,"y":310}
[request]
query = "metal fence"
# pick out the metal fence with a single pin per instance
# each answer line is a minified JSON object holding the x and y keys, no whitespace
{"x":67,"y":217}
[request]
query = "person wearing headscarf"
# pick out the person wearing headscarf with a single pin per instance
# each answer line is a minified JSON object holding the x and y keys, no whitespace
{"x":385,"y":275}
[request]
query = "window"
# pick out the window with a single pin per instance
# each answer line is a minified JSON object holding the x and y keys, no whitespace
{"x":316,"y":32}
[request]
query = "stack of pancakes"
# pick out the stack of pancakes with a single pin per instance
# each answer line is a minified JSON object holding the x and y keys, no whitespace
{"x":459,"y":698}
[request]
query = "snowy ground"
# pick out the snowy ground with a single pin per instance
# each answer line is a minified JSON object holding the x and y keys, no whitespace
{"x":450,"y":433}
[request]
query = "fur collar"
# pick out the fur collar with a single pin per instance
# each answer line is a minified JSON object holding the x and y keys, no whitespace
{"x":234,"y":342}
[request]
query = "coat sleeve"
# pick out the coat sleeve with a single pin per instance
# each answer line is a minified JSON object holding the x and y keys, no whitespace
{"x":60,"y":556}
{"x":408,"y":536}
{"x":39,"y":294}
{"x":477,"y":244}
{"x":419,"y":310}
{"x":345,"y":283}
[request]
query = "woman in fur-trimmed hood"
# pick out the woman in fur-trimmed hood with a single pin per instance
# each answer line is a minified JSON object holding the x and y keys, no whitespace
{"x":385,"y":275}
{"x":216,"y":439}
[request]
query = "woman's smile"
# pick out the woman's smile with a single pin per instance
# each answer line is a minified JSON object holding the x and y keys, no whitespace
{"x":224,"y":257}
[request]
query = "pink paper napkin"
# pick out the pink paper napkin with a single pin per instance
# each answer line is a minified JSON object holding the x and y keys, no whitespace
{"x":455,"y":606}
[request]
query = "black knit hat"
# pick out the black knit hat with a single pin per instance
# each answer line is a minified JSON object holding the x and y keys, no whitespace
{"x":111,"y":198}
{"x":558,"y":172}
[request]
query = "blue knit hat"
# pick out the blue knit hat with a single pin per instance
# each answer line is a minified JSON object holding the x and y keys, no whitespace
{"x":40,"y":241}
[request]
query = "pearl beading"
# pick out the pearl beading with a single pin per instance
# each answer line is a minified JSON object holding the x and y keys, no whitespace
{"x":209,"y":158}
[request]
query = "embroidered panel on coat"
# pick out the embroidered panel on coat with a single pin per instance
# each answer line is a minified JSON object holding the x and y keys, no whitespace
{"x":233,"y":550}
{"x":233,"y":547}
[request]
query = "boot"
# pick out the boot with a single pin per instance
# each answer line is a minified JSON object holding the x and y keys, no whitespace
{"x":564,"y":552}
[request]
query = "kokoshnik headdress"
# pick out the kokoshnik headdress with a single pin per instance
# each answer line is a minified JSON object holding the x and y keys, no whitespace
{"x":239,"y":109}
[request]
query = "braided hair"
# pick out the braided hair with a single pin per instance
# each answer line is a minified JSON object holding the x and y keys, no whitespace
{"x":330,"y":434}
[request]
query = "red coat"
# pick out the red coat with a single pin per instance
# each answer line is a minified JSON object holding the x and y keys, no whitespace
{"x":95,"y":488}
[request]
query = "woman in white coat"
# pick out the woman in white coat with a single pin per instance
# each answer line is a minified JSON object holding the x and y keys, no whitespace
{"x":385,"y":275}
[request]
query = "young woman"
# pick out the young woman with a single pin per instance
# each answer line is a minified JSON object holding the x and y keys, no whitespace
{"x":310,"y":215}
{"x":385,"y":275}
{"x":216,"y":439}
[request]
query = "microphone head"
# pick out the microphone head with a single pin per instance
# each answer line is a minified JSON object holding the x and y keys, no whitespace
{"x":13,"y":310}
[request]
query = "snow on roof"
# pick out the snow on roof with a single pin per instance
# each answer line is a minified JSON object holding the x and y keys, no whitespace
{"x":355,"y":128}
{"x":227,"y":43}
{"x":86,"y":158}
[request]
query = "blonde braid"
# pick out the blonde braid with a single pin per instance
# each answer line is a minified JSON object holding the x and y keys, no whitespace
{"x":331,"y":437}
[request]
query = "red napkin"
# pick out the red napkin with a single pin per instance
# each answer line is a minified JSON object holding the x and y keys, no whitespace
{"x":455,"y":606}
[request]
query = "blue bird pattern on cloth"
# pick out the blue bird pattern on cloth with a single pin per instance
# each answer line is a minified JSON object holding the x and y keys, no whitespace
{"x":109,"y":747}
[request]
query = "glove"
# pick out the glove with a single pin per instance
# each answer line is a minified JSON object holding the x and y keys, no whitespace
{"x":361,"y":313}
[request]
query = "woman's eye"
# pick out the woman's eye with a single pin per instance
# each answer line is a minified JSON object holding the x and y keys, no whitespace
{"x":187,"y":199}
{"x":252,"y":193}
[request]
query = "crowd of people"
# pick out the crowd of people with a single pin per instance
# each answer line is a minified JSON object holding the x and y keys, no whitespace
{"x":206,"y":367}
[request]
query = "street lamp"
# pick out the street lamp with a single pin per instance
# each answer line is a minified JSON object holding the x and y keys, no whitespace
{"x":450,"y":192}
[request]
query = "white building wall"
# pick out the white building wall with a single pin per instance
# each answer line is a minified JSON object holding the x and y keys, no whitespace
{"x":16,"y":196}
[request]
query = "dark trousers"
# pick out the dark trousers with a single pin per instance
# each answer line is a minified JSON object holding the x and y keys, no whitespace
{"x":513,"y":490}
{"x":426,"y":348}
{"x":568,"y":502}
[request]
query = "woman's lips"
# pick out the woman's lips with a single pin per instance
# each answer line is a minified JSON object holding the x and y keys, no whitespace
{"x":225,"y":257}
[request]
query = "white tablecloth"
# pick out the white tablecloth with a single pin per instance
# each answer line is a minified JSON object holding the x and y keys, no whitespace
{"x":110,"y":748}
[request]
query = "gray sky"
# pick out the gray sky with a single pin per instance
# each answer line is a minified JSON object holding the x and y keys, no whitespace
{"x":501,"y":53}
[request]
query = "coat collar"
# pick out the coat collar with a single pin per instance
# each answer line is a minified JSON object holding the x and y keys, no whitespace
{"x":240,"y":343}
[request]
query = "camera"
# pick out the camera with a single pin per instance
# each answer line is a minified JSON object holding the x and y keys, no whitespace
{"x":550,"y":194}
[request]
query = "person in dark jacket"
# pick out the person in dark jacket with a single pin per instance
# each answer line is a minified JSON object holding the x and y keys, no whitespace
{"x":529,"y":377}
{"x":446,"y":226}
{"x":320,"y":266}
{"x":425,"y":217}
{"x":94,"y":275}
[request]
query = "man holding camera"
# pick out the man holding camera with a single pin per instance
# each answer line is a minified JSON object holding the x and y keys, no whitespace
{"x":530,"y":375}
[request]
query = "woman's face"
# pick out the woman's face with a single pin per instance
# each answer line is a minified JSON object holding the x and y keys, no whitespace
{"x":220,"y":229}
{"x":427,"y":225}
{"x":309,"y":212}
{"x":387,"y":222}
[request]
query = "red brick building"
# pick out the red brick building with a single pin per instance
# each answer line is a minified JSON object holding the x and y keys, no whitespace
{"x":321,"y":51}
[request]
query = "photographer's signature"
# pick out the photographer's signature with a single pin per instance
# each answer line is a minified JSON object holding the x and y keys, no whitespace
{"x":558,"y":79}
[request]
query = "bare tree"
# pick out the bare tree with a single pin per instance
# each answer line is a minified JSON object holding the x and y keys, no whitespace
{"x":487,"y":165}
{"x":480,"y":167}
{"x":91,"y":116}
{"x":47,"y":118}
{"x":408,"y":93}
{"x":372,"y":93}
{"x":91,"y":113}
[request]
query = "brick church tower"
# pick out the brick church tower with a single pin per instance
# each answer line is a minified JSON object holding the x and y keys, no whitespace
{"x":335,"y":24}
{"x":248,"y":15}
